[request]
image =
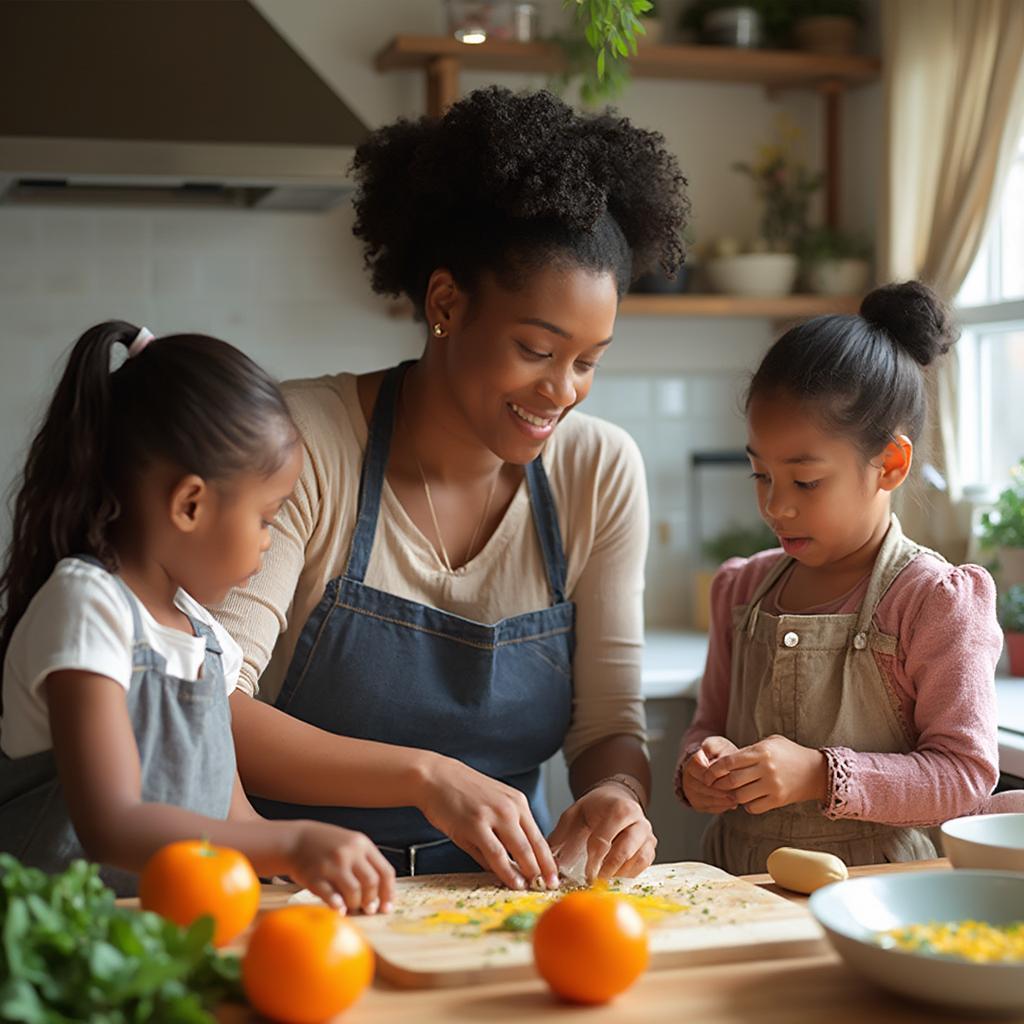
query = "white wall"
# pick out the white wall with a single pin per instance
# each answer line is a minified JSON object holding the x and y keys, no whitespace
{"x":289,"y":288}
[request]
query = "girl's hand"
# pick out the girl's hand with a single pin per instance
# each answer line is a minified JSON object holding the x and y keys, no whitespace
{"x":492,"y":822}
{"x":343,"y":868}
{"x":702,"y":796}
{"x":610,"y":826}
{"x":772,"y":773}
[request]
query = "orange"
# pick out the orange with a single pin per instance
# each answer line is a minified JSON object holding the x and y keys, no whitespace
{"x":590,"y":946}
{"x":185,"y":880}
{"x":304,"y":964}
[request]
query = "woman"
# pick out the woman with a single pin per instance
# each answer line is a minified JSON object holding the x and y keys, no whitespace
{"x":454,"y":591}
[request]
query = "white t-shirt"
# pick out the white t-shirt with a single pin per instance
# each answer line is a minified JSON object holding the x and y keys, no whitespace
{"x":81,"y":619}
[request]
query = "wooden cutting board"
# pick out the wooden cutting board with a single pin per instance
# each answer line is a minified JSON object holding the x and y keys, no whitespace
{"x":696,"y":914}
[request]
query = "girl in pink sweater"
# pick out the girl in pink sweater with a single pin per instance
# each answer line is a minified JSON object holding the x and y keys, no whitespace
{"x":848,"y":703}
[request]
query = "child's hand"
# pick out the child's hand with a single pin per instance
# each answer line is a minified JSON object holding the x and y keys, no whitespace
{"x":774,"y":772}
{"x":343,"y":868}
{"x":696,"y":786}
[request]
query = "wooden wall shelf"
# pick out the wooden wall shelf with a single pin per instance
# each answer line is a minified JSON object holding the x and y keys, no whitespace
{"x":779,"y":308}
{"x":777,"y":69}
{"x":782,"y":307}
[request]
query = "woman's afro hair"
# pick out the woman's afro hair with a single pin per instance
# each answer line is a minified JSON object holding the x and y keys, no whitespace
{"x":506,"y":182}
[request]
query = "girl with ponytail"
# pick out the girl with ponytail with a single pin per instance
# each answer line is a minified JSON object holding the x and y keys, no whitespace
{"x":848,"y":704}
{"x":147,"y":493}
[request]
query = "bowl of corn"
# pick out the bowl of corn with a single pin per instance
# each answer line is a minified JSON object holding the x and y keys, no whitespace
{"x":993,"y":841}
{"x":953,"y":938}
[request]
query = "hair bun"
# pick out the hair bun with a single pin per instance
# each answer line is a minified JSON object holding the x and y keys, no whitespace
{"x":914,"y":317}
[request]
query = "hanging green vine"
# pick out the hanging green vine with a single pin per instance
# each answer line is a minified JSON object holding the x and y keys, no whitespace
{"x":610,"y":31}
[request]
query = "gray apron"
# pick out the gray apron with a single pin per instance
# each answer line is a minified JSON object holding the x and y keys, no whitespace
{"x":183,"y":731}
{"x":815,"y":680}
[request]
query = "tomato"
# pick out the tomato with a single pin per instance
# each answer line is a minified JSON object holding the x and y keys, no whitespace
{"x":304,"y":964}
{"x":590,"y":946}
{"x":185,"y":880}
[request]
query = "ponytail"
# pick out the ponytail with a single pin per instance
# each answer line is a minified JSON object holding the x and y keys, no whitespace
{"x":64,"y":503}
{"x":191,"y":400}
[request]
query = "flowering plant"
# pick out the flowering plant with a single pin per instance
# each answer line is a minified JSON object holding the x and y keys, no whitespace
{"x":784,"y":184}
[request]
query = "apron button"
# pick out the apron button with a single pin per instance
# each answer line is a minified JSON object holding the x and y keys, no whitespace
{"x":860,"y":641}
{"x":791,"y":639}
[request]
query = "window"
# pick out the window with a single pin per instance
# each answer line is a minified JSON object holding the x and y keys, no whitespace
{"x":990,"y":307}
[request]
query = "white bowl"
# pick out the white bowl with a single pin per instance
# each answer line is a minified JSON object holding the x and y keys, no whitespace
{"x":855,"y":911}
{"x":838,"y":277}
{"x":754,"y":273}
{"x":994,"y":841}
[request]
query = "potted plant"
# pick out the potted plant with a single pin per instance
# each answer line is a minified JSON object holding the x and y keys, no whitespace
{"x":1011,"y":618}
{"x":1002,"y":530}
{"x":785,"y":185}
{"x":827,"y":26}
{"x":735,"y":541}
{"x":834,"y":262}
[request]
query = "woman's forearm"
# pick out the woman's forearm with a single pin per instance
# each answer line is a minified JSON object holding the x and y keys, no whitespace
{"x":616,"y":755}
{"x":283,"y":758}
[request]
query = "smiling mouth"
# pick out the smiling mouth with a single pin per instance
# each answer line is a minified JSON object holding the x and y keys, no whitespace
{"x":532,"y":418}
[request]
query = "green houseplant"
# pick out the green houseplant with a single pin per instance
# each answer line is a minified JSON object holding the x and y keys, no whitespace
{"x":834,"y":262}
{"x":1011,"y":618}
{"x":1002,"y":530}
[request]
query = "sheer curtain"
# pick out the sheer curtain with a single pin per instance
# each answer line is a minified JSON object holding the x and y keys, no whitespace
{"x":954,"y":101}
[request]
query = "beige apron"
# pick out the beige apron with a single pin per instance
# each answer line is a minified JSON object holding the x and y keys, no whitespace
{"x":815,"y":680}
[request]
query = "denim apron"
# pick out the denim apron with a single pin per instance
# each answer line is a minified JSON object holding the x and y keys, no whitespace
{"x":374,"y":666}
{"x":183,"y":731}
{"x":815,"y":679}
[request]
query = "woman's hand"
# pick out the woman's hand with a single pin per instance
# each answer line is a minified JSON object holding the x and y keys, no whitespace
{"x":609,"y":825}
{"x":772,"y":773}
{"x":343,"y":868}
{"x":697,"y":784}
{"x":492,"y":822}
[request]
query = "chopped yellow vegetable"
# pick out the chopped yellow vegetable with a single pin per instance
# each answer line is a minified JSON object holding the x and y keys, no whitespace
{"x":976,"y":941}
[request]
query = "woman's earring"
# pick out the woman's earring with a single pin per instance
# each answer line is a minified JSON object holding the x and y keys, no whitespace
{"x":438,"y":330}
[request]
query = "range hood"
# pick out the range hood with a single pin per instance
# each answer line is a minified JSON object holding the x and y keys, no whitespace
{"x":199,"y":102}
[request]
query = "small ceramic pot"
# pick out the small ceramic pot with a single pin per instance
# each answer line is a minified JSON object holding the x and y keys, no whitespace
{"x":838,"y":277}
{"x":754,"y":273}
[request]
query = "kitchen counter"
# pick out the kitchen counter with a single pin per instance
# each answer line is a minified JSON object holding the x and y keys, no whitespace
{"x":807,"y":990}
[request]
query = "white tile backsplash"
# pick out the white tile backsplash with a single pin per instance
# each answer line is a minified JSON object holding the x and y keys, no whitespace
{"x":671,"y":416}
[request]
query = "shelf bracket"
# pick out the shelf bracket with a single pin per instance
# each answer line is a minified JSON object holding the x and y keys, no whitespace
{"x":442,"y":84}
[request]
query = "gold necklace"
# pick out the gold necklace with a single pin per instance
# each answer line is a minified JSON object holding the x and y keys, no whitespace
{"x":430,"y":501}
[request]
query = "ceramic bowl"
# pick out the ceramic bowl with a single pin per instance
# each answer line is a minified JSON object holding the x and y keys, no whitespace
{"x":994,"y":841}
{"x":754,"y":273}
{"x":853,"y":912}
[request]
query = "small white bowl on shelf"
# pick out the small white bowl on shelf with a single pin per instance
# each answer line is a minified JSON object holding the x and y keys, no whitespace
{"x":993,"y":841}
{"x":754,"y":273}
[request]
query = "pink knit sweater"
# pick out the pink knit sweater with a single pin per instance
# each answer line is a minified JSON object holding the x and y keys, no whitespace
{"x":941,"y":681}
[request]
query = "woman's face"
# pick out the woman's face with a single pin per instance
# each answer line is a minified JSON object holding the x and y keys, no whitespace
{"x":520,"y":360}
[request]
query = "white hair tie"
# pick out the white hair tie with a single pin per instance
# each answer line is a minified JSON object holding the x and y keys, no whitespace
{"x":142,"y":339}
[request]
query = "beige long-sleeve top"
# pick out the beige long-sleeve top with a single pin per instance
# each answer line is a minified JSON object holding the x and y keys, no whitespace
{"x":597,"y":480}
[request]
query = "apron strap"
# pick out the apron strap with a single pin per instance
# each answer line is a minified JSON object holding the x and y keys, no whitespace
{"x":371,"y":484}
{"x":896,"y":553}
{"x":545,"y":520}
{"x":371,"y":477}
{"x":133,"y":601}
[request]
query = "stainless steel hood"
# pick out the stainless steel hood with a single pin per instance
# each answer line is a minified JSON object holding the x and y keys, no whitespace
{"x":165,"y":101}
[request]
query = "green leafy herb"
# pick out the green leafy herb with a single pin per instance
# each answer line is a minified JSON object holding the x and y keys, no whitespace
{"x":69,"y":953}
{"x":521,"y":921}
